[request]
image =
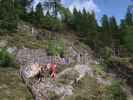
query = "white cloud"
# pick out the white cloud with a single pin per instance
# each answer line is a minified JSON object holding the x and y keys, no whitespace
{"x":89,"y":5}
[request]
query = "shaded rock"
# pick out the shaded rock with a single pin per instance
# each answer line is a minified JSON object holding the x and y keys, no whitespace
{"x":12,"y":50}
{"x":31,"y":70}
{"x":84,"y":69}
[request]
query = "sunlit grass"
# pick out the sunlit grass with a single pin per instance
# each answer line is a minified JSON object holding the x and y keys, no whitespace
{"x":11,"y":86}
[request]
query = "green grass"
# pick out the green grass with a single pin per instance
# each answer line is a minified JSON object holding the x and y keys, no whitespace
{"x":86,"y":89}
{"x":121,"y":60}
{"x":89,"y":89}
{"x":24,"y":40}
{"x":99,"y":69}
{"x":11,"y":86}
{"x":114,"y":92}
{"x":53,"y":96}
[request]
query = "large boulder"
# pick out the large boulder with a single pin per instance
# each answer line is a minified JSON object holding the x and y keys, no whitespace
{"x":31,"y":70}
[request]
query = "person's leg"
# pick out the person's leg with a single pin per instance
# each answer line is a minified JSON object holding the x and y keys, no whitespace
{"x":39,"y":76}
{"x":53,"y":75}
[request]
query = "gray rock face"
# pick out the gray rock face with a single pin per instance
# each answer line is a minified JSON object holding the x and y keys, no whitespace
{"x":12,"y":50}
{"x":48,"y":85}
{"x":41,"y":89}
{"x":83,"y":70}
{"x":27,"y":56}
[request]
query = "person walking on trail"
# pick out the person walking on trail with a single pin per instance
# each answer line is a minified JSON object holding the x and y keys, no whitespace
{"x":41,"y":73}
{"x":52,"y":69}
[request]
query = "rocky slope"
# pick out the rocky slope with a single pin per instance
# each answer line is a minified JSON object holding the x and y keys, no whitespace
{"x":67,"y":75}
{"x":82,"y":78}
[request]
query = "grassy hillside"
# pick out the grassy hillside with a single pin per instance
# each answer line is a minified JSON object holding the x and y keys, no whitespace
{"x":11,"y":86}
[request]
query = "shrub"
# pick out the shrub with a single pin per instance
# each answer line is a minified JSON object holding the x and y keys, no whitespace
{"x":51,"y":48}
{"x":56,"y":47}
{"x":86,"y":89}
{"x":6,"y":59}
{"x":114,"y":92}
{"x":8,"y":17}
{"x":51,"y":23}
{"x":60,"y":47}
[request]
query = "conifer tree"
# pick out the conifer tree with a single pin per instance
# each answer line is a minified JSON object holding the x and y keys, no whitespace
{"x":115,"y":35}
{"x":8,"y":16}
{"x":39,"y":11}
{"x":36,"y":17}
{"x":129,"y":17}
{"x":105,"y":36}
{"x":113,"y":25}
{"x":126,"y":28}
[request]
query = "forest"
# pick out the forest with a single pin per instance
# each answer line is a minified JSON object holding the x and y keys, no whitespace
{"x":108,"y":33}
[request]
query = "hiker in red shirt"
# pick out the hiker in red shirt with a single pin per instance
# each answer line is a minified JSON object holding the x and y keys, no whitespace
{"x":52,"y":68}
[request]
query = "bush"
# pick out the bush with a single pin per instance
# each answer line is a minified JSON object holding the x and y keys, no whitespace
{"x":8,"y":17}
{"x":51,"y":48}
{"x":60,"y":47}
{"x":115,"y":92}
{"x":7,"y":27}
{"x":86,"y":89}
{"x":6,"y":59}
{"x":51,"y":23}
{"x":56,"y":47}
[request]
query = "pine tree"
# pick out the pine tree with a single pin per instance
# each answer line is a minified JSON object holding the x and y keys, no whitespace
{"x":66,"y":15}
{"x":84,"y":23}
{"x":76,"y":20}
{"x":122,"y":30}
{"x":105,"y":36}
{"x":115,"y":36}
{"x":39,"y":13}
{"x":20,"y":6}
{"x":126,"y":28}
{"x":128,"y":38}
{"x":8,"y":16}
{"x":92,"y":30}
{"x":113,"y":25}
{"x":37,"y":16}
{"x":24,"y":3}
{"x":129,"y":17}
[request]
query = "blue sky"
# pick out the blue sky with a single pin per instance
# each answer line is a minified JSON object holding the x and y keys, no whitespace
{"x":115,"y":8}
